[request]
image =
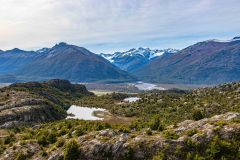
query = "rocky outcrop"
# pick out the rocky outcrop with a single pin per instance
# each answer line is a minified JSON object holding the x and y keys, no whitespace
{"x":111,"y":144}
{"x":65,"y":85}
{"x":34,"y":102}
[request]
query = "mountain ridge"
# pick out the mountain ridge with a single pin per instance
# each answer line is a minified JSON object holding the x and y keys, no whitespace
{"x":134,"y":59}
{"x":209,"y":62}
{"x":61,"y":61}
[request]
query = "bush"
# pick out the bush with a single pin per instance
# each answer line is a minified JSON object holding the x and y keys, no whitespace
{"x":9,"y":139}
{"x":191,"y":132}
{"x":169,"y":134}
{"x":155,"y":123}
{"x":20,"y":156}
{"x":219,"y":149}
{"x":60,"y":143}
{"x":71,"y":151}
{"x":197,"y":115}
{"x":44,"y":138}
{"x":43,"y":153}
{"x":149,"y":132}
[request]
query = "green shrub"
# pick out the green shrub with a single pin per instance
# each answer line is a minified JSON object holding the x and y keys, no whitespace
{"x":149,"y":132}
{"x":197,"y":115}
{"x":51,"y":138}
{"x":60,"y":142}
{"x":43,"y":153}
{"x":79,"y":132}
{"x":44,"y":138}
{"x":20,"y":156}
{"x":169,"y":134}
{"x":155,"y":123}
{"x":9,"y":139}
{"x":71,"y":151}
{"x":191,"y":132}
{"x":220,"y":149}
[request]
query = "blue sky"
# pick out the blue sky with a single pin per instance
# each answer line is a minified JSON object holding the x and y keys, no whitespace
{"x":116,"y":25}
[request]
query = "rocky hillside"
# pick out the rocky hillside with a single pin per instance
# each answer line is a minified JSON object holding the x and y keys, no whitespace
{"x":208,"y":62}
{"x":35,"y":102}
{"x":172,"y":124}
{"x":210,"y":138}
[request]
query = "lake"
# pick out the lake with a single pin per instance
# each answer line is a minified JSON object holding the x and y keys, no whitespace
{"x":147,"y":86}
{"x":131,"y":99}
{"x":84,"y":113}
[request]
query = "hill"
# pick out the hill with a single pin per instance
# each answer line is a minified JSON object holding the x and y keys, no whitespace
{"x":34,"y":102}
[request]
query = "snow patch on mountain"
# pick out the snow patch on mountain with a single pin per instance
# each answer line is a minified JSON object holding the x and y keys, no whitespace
{"x":43,"y":50}
{"x":143,"y":52}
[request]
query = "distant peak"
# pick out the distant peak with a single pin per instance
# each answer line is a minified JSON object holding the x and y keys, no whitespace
{"x":43,"y":50}
{"x":133,"y":49}
{"x":61,"y":44}
{"x":15,"y":50}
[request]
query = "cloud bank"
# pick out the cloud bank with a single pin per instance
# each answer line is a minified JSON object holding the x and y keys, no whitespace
{"x":112,"y":25}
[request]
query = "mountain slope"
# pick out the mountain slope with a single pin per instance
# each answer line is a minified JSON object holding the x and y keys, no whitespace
{"x":11,"y":60}
{"x":208,"y":62}
{"x":133,"y":59}
{"x":62,"y":61}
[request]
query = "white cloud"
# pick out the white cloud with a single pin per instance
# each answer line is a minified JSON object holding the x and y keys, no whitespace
{"x":115,"y":23}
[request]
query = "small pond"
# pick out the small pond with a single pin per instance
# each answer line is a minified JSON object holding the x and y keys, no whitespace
{"x":131,"y":99}
{"x":84,"y":113}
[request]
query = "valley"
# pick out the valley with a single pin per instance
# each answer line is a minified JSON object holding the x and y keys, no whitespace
{"x":120,"y":80}
{"x":138,"y":104}
{"x":153,"y":124}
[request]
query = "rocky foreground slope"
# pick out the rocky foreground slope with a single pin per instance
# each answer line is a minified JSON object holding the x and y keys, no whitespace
{"x":36,"y":102}
{"x":210,"y":138}
{"x":174,"y":124}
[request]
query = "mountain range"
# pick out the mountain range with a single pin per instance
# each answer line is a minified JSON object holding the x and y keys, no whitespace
{"x":134,"y":59}
{"x":207,"y":62}
{"x":61,"y":61}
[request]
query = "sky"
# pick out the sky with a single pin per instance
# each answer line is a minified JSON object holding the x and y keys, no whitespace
{"x":106,"y":26}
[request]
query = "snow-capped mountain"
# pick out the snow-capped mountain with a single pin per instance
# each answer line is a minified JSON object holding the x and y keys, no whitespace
{"x":207,"y":62}
{"x":43,"y":50}
{"x":135,"y":58}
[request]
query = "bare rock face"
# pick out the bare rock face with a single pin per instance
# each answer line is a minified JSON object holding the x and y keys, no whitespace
{"x":34,"y":102}
{"x":28,"y":149}
{"x":207,"y":123}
